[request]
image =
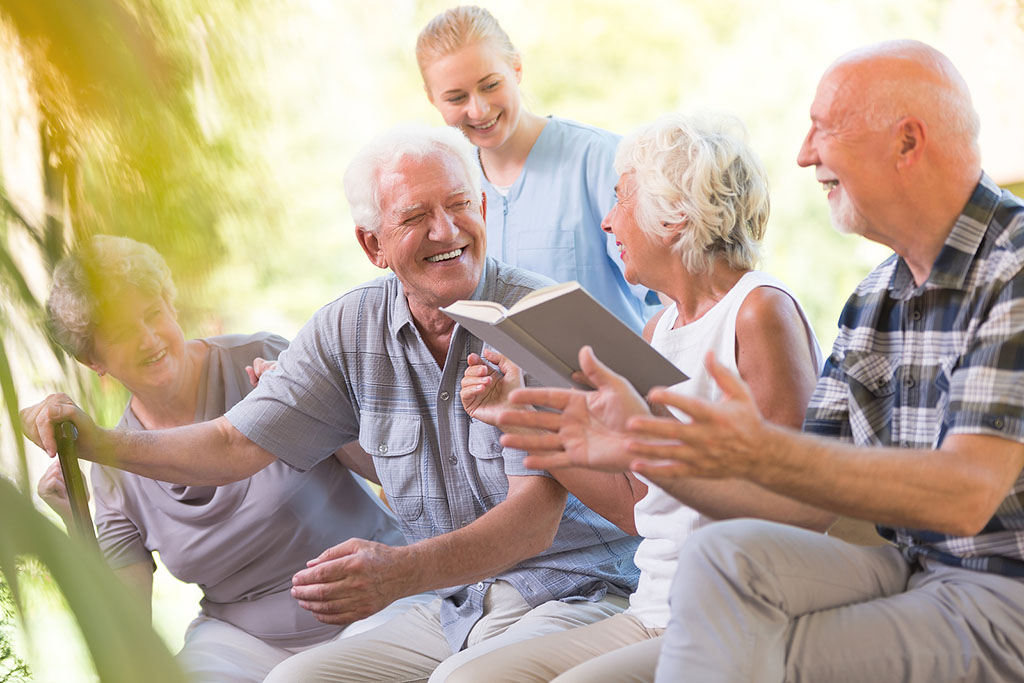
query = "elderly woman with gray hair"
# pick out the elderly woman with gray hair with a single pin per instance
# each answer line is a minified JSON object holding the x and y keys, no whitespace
{"x":112,"y":308}
{"x":692,"y":206}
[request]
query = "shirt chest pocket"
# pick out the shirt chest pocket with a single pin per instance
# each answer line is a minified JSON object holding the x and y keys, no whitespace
{"x":549,"y":252}
{"x":488,"y":462}
{"x":394,"y":442}
{"x":872,"y":386}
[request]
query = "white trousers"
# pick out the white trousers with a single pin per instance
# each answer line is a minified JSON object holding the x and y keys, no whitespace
{"x":754,"y":601}
{"x":217,"y":652}
{"x":412,"y":647}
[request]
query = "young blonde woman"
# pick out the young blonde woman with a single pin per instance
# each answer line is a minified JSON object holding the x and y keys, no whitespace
{"x":549,"y":181}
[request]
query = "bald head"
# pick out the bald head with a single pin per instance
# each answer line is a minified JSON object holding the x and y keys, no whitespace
{"x":886,"y":82}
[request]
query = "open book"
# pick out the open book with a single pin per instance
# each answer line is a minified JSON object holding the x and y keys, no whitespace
{"x":544,"y":331}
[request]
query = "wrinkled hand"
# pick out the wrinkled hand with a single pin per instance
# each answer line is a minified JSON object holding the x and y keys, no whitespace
{"x":52,"y":489}
{"x":485,"y":391}
{"x":725,"y":439}
{"x":259,"y":368}
{"x":588,"y":430}
{"x":37,"y":421}
{"x":352,"y":581}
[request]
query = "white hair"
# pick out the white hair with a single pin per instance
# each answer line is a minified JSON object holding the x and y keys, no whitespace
{"x":384,"y":152}
{"x":698,"y":169}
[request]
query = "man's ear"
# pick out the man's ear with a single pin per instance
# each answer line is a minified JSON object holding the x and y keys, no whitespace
{"x":912,"y":135}
{"x":371,"y":246}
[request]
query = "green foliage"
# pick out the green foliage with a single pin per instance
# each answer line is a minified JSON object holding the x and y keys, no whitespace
{"x":116,"y":630}
{"x":12,"y":669}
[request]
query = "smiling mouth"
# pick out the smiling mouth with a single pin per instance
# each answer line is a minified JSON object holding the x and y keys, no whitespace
{"x":155,"y":358}
{"x":446,"y":256}
{"x":829,"y":185}
{"x":486,"y":126}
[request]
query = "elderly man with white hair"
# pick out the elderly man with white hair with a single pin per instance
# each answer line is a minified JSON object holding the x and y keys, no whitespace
{"x":510,"y":555}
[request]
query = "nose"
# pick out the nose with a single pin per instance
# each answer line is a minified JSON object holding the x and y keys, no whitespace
{"x":808,"y":155}
{"x":443,"y":228}
{"x":478,"y":107}
{"x":148,"y":337}
{"x":606,"y":222}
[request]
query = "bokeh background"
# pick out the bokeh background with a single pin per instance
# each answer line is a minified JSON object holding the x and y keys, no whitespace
{"x":219,"y":132}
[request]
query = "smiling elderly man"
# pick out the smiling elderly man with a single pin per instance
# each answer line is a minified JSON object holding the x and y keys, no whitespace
{"x":509,"y":555}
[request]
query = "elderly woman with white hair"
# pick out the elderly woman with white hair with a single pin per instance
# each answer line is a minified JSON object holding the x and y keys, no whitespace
{"x":691,"y":212}
{"x":112,"y":308}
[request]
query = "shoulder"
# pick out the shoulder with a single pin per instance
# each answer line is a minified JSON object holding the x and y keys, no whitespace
{"x":510,"y":284}
{"x":248,"y":345}
{"x":652,"y":324}
{"x":582,"y":134}
{"x":765,"y":311}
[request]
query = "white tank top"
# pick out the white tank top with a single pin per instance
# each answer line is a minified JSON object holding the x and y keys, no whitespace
{"x":663,"y":521}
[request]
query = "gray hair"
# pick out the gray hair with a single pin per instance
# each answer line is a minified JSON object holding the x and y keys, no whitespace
{"x":93,"y":276}
{"x":699,"y":169}
{"x":384,"y":152}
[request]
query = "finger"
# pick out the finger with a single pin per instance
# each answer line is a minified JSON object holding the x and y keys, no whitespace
{"x":340,"y":608}
{"x":654,"y":469}
{"x":253,"y":379}
{"x":532,"y":442}
{"x":474,"y":360}
{"x":660,"y":450}
{"x":598,"y":374}
{"x":732,"y":384}
{"x":699,"y":410}
{"x":496,"y":358}
{"x":530,"y":418}
{"x":658,"y":428}
{"x":46,"y":419}
{"x":478,"y":371}
{"x":541,"y":396}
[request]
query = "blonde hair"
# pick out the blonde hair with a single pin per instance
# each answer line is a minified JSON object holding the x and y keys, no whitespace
{"x":95,"y":275}
{"x":701,"y":171}
{"x":458,"y":27}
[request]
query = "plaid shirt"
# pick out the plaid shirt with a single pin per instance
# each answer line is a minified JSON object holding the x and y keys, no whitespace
{"x":913,"y":365}
{"x":359,"y":370}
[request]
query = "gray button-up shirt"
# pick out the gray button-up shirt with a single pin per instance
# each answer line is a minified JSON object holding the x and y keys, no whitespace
{"x":359,"y":370}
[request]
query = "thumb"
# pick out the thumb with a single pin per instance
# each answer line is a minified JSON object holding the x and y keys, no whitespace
{"x":732,"y":385}
{"x":599,"y":374}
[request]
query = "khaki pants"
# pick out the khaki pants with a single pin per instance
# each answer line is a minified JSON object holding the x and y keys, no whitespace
{"x":759,"y":602}
{"x":619,"y":649}
{"x":412,"y":646}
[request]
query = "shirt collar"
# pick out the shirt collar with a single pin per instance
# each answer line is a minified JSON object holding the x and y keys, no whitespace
{"x":961,"y":246}
{"x":401,"y":316}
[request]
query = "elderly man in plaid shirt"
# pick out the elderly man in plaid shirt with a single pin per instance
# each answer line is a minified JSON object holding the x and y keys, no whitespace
{"x":921,"y":404}
{"x":916,"y":423}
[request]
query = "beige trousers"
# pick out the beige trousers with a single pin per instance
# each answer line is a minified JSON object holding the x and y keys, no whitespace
{"x":412,"y":646}
{"x":619,"y":649}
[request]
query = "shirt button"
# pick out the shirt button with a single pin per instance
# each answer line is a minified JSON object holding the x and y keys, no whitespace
{"x":909,"y":382}
{"x":916,"y":315}
{"x":494,"y":447}
{"x":383,"y":448}
{"x":998,"y":423}
{"x":452,"y":459}
{"x":480,"y":586}
{"x":445,"y":395}
{"x":465,"y":522}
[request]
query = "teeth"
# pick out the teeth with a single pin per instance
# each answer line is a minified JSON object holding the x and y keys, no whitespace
{"x":488,"y":125}
{"x":155,"y":358}
{"x":827,"y":185}
{"x":445,"y":256}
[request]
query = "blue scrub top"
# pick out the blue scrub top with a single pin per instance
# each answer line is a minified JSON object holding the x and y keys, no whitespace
{"x":550,"y":220}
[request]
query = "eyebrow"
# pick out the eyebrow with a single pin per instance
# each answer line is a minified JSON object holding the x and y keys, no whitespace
{"x":458,"y":90}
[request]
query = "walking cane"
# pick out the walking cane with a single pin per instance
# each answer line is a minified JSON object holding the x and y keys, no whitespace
{"x":67,"y":453}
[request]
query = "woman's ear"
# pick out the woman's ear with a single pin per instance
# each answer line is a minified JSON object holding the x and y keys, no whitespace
{"x":517,"y":68}
{"x":94,"y":366}
{"x":672,"y":231}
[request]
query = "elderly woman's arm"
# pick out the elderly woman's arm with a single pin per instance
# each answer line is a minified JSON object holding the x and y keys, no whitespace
{"x":180,"y":455}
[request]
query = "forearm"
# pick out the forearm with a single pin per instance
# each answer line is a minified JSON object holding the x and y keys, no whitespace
{"x":522,"y":526}
{"x":954,"y":489}
{"x":206,"y":453}
{"x":734,"y":498}
{"x":611,"y":495}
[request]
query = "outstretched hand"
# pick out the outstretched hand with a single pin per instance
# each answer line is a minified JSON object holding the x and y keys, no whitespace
{"x":589,"y":428}
{"x":485,"y":391}
{"x":724,"y":438}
